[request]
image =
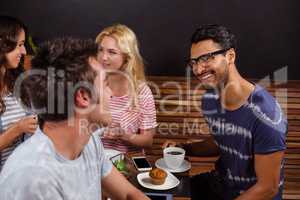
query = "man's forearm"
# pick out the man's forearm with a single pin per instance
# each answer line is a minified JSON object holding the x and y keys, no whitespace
{"x":9,"y":136}
{"x":202,"y":148}
{"x":259,"y":192}
{"x":137,"y":195}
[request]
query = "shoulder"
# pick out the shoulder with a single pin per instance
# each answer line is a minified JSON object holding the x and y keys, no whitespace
{"x":28,"y":183}
{"x":95,"y":138}
{"x":11,"y":100}
{"x":145,"y":95}
{"x":263,"y":104}
{"x":34,"y":151}
{"x":95,"y":147}
{"x":24,"y":173}
{"x":263,"y":99}
{"x":37,"y":144}
{"x":143,"y":88}
{"x":266,"y":108}
{"x":14,"y":110}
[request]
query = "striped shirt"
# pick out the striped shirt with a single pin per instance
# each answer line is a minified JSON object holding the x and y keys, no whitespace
{"x":13,"y":113}
{"x":131,"y":119}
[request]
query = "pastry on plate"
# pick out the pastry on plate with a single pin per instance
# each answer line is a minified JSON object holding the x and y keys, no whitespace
{"x":158,"y":176}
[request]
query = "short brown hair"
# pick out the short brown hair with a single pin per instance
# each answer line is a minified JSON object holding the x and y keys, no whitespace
{"x":63,"y":63}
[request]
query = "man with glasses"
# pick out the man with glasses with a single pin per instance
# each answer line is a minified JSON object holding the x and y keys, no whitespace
{"x":246,"y":122}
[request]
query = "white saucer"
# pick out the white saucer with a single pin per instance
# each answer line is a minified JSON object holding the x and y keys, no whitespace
{"x":160,"y":163}
{"x":145,"y":181}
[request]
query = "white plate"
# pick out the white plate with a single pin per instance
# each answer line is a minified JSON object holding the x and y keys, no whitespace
{"x":145,"y":181}
{"x":160,"y":163}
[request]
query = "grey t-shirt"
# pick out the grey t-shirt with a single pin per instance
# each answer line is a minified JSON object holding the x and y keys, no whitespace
{"x":35,"y":171}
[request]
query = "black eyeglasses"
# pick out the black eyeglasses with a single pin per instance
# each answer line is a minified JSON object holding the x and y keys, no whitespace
{"x":205,"y":58}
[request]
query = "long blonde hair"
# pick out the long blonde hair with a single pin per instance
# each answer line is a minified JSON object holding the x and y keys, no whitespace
{"x":128,"y":44}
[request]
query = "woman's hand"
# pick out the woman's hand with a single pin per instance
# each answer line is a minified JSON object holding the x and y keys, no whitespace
{"x":143,"y":139}
{"x":117,"y":132}
{"x":113,"y":133}
{"x":27,"y":124}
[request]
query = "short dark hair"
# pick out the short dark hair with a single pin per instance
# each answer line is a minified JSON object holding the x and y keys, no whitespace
{"x":64,"y":62}
{"x":10,"y":29}
{"x":219,"y":34}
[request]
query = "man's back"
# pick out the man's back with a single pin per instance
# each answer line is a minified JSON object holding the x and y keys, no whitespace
{"x":36,"y":171}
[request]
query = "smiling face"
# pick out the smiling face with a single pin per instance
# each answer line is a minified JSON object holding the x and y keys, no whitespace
{"x":100,"y":113}
{"x":110,"y":55}
{"x":14,"y":57}
{"x":214,"y":71}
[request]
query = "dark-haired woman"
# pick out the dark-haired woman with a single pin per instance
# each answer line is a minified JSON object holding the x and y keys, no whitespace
{"x":13,"y":120}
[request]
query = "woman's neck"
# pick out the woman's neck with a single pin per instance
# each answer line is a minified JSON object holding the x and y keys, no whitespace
{"x":119,"y":84}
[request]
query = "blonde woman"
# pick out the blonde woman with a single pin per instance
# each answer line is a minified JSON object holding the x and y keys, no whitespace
{"x":131,"y":104}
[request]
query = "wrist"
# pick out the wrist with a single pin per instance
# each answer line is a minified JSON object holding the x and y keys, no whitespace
{"x":186,"y":147}
{"x":181,"y":145}
{"x":16,"y":129}
{"x":127,"y":137}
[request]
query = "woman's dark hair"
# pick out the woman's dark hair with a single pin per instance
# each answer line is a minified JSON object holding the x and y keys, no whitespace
{"x":10,"y":29}
{"x":217,"y":33}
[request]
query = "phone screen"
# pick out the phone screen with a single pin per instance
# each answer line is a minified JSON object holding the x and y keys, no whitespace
{"x":141,"y":163}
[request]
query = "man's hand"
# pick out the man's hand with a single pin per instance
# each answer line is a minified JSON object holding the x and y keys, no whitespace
{"x":173,"y":143}
{"x":169,"y":143}
{"x":202,"y":147}
{"x":116,"y":186}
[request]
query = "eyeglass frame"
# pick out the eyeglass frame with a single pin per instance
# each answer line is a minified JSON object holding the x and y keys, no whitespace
{"x":204,"y":58}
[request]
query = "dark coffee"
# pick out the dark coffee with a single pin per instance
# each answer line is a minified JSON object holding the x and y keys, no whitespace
{"x":174,"y":152}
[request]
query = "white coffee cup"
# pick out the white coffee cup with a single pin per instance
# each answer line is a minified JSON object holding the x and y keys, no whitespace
{"x":173,"y":157}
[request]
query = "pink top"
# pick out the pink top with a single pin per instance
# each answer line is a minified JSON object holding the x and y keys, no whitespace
{"x":132,"y":119}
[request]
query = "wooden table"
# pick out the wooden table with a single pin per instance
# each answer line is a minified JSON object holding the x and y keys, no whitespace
{"x":181,"y":192}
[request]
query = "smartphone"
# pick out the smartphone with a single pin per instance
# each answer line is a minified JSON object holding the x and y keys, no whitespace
{"x":141,"y":163}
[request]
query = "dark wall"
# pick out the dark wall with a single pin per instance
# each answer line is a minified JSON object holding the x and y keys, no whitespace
{"x":267,"y":30}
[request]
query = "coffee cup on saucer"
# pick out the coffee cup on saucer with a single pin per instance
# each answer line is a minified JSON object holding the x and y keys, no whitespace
{"x":173,"y":157}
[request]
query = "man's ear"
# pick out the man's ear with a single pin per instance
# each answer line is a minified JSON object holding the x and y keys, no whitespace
{"x":82,"y":98}
{"x":231,"y":56}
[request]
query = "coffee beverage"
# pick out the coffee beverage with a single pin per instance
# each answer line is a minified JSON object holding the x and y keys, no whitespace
{"x":174,"y":153}
{"x":173,"y":157}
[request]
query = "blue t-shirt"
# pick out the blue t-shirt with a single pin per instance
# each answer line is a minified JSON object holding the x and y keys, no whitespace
{"x":257,"y":127}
